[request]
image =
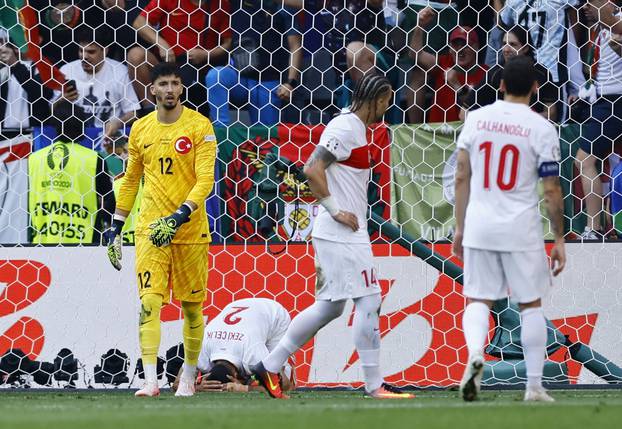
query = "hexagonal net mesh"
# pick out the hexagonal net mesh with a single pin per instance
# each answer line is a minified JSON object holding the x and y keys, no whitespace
{"x":270,"y":75}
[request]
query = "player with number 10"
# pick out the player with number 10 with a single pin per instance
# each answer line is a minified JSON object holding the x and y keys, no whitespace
{"x":503,"y":149}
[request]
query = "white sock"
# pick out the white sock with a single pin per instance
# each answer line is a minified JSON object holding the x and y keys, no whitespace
{"x":189,"y":372}
{"x":151,"y":374}
{"x":370,"y":363}
{"x":279,"y":355}
{"x":475,"y":326}
{"x":533,"y":338}
{"x":365,"y":327}
{"x":302,"y":329}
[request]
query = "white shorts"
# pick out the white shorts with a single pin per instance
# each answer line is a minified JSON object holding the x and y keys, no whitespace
{"x":344,"y":270}
{"x":492,"y":275}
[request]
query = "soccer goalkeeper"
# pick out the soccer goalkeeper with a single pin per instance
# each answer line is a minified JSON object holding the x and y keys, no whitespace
{"x":174,"y":148}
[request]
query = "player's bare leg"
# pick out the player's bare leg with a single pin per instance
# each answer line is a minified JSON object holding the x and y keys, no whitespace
{"x":149,"y":335}
{"x":593,"y":191}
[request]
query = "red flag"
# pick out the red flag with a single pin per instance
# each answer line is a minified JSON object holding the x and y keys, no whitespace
{"x":51,"y":76}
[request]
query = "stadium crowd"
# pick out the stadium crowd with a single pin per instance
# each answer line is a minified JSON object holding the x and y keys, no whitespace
{"x":296,"y":61}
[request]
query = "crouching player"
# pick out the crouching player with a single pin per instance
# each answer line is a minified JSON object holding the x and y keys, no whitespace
{"x":242,"y":334}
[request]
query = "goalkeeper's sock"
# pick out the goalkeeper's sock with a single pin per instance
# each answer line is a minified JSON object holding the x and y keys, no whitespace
{"x":193,"y":336}
{"x":475,"y":326}
{"x":151,"y":373}
{"x":149,"y":334}
{"x":189,"y":372}
{"x":366,"y":332}
{"x":303,"y":327}
{"x":533,"y":338}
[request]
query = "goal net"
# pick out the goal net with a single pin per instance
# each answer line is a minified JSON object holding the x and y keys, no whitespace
{"x":270,"y":75}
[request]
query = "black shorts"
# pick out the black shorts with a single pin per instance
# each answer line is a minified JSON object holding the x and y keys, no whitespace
{"x":603,"y":127}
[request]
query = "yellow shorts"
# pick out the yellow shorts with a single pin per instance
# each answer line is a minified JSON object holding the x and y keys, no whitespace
{"x":180,"y":266}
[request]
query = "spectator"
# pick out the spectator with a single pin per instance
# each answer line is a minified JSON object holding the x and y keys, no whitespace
{"x":102,"y":88}
{"x":110,"y":16}
{"x":447,"y":14}
{"x":266,"y":66}
{"x":604,"y":126}
{"x":193,"y":33}
{"x":454,"y":73}
{"x":367,"y":47}
{"x":115,"y":153}
{"x":356,"y":36}
{"x":549,"y":23}
{"x":23,"y":104}
{"x":495,"y":38}
{"x":71,"y":197}
{"x":358,"y":26}
{"x":516,"y":41}
{"x":23,"y":98}
{"x":58,"y":19}
{"x":477,"y":14}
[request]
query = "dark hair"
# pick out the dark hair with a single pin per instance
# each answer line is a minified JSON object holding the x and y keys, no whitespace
{"x":85,"y":35}
{"x":519,"y":74}
{"x":524,"y":38}
{"x":369,"y":88}
{"x":68,"y":120}
{"x":221,"y":372}
{"x":164,"y":69}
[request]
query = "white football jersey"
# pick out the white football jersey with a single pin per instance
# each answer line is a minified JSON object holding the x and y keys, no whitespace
{"x":508,"y":146}
{"x":348,"y":178}
{"x":106,"y":95}
{"x":609,"y":66}
{"x":546,"y":22}
{"x":243,"y":333}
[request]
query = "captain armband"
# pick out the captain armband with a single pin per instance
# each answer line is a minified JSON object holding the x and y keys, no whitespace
{"x":548,"y":169}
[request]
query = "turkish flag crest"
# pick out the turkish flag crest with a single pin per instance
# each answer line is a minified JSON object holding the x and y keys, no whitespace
{"x":183,"y":145}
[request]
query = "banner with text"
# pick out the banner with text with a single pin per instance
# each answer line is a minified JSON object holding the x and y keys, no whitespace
{"x":50,"y":299}
{"x":423,"y":159}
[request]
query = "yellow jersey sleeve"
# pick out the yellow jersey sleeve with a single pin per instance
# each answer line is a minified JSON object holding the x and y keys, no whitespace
{"x":177,"y":162}
{"x":204,"y":164}
{"x":133,"y":174}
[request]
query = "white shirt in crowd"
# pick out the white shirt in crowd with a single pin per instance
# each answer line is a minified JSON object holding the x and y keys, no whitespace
{"x":107,"y":94}
{"x":243,"y":333}
{"x":507,"y":144}
{"x":348,"y":177}
{"x":609,"y":67}
{"x":17,"y":113}
{"x":547,"y":24}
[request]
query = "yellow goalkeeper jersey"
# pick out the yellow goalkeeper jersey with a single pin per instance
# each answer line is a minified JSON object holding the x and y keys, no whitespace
{"x":177,"y":161}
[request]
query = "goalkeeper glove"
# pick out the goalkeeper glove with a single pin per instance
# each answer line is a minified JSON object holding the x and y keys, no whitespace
{"x":163,"y":230}
{"x":114,"y":240}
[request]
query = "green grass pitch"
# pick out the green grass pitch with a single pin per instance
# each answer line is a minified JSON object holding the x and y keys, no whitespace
{"x":585,"y":409}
